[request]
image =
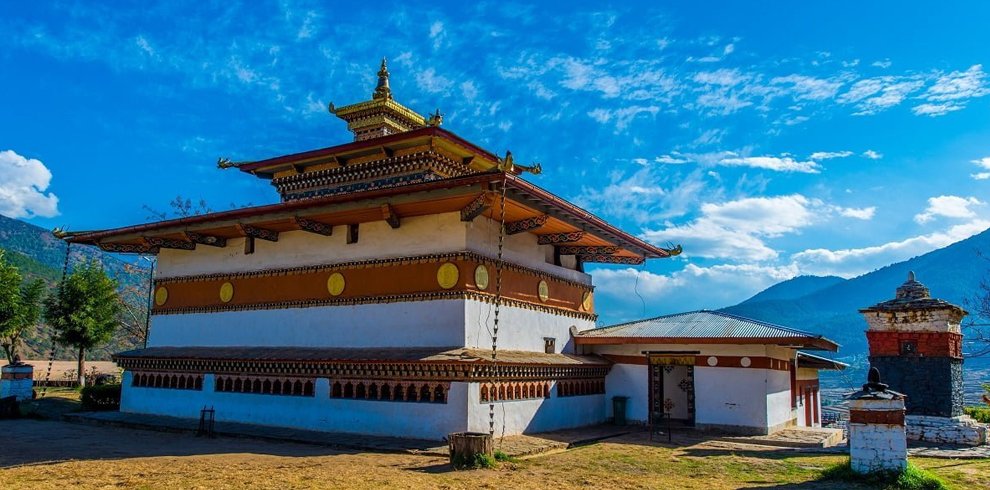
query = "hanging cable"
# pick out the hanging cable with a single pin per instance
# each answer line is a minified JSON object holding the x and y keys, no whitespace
{"x":498,"y":305}
{"x":51,"y":357}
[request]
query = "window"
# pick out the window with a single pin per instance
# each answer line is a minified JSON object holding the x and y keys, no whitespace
{"x":549,"y":345}
{"x":909,"y":347}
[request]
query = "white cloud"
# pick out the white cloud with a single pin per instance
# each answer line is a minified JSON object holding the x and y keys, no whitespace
{"x":949,"y":207}
{"x":691,"y":288}
{"x":809,"y":88}
{"x":621,"y":118}
{"x":983,"y":163}
{"x":872,"y":155}
{"x":22,"y":190}
{"x":872,"y":95}
{"x":958,"y":85}
{"x":670,"y":159}
{"x":950,"y":92}
{"x":935,"y":109}
{"x":826,"y":155}
{"x":437,"y":34}
{"x":882,"y":64}
{"x":433,"y":83}
{"x":858,"y":213}
{"x":778,"y":164}
{"x":735,"y":230}
{"x":855,"y":261}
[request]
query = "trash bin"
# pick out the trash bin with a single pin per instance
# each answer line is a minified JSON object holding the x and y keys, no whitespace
{"x":619,"y":410}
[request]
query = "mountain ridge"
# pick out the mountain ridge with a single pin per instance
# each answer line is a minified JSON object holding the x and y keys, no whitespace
{"x":952,"y":273}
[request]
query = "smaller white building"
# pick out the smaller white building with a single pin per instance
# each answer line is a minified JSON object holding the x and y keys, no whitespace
{"x":713,"y":370}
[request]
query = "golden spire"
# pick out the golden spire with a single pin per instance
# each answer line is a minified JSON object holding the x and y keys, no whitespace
{"x":382,"y":91}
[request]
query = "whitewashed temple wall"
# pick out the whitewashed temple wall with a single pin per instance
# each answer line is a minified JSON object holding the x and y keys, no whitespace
{"x":779,"y":411}
{"x":519,"y":328}
{"x":539,"y":415}
{"x":438,"y":323}
{"x":632,"y":381}
{"x":320,"y":412}
{"x":522,"y":249}
{"x":746,"y":400}
{"x":418,"y":235}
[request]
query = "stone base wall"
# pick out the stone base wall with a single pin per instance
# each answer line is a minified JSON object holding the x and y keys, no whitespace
{"x":877,"y":447}
{"x":933,"y":385}
{"x":945,"y":430}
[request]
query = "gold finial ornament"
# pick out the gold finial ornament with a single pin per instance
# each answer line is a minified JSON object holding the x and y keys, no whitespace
{"x":507,"y":164}
{"x":332,"y":108}
{"x":382,"y":91}
{"x":436,"y":119}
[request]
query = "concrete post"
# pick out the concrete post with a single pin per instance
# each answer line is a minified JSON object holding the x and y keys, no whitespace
{"x":877,"y":439}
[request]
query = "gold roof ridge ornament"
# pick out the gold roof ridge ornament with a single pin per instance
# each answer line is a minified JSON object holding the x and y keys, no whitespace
{"x":224,"y":163}
{"x":436,"y":119}
{"x":382,"y":90}
{"x":382,"y":115}
{"x":508,"y":164}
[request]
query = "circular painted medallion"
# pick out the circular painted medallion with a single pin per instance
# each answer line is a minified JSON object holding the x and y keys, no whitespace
{"x":745,"y":362}
{"x":226,"y":292}
{"x":335,"y":284}
{"x":587,"y":301}
{"x":544,"y":291}
{"x":161,"y":295}
{"x":481,"y":277}
{"x":447,"y":275}
{"x":712,"y":361}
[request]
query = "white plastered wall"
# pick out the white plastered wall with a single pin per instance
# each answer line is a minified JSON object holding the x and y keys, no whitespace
{"x":418,"y":235}
{"x":743,"y":399}
{"x":521,"y":248}
{"x":519,"y":328}
{"x":438,"y":323}
{"x":540,"y":415}
{"x":320,"y":412}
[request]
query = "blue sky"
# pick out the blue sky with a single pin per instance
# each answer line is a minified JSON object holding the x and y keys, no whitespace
{"x":796,"y":138}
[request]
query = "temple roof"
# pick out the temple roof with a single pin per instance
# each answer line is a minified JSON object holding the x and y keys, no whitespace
{"x":913,"y":295}
{"x":560,"y":222}
{"x":400,"y":165}
{"x":704,"y":327}
{"x":359,"y":354}
{"x":810,"y":361}
{"x":380,"y":116}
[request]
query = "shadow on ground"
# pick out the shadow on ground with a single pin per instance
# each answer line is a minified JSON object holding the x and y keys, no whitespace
{"x":44,"y":442}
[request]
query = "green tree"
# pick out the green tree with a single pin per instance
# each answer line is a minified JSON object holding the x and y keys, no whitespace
{"x":20,"y":306}
{"x":84,"y":311}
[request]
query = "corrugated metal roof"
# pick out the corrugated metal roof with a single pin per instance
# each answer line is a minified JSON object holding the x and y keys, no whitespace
{"x":813,"y":361}
{"x":699,"y":324}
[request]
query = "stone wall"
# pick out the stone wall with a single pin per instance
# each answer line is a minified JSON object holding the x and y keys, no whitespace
{"x":944,"y":430}
{"x":933,"y":385}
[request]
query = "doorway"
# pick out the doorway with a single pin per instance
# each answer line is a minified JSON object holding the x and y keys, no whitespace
{"x":671,"y":390}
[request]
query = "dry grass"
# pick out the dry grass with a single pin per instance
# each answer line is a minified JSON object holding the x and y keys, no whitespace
{"x":181,"y":461}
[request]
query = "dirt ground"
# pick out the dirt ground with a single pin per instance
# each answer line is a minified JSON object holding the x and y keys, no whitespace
{"x":60,"y":368}
{"x":49,"y":454}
